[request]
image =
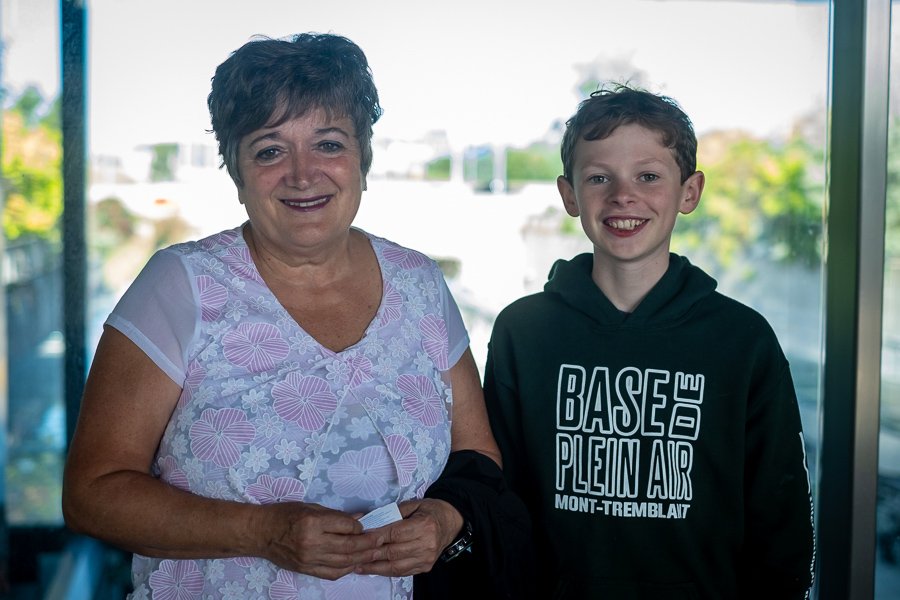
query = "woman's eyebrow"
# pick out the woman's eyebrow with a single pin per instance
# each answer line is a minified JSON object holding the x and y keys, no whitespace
{"x":272,"y":135}
{"x":328,"y":130}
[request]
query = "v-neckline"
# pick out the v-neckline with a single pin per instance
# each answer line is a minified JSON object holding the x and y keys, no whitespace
{"x":373,"y":324}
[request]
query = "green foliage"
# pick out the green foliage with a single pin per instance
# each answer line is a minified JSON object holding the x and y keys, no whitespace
{"x":161,"y":167}
{"x":33,"y":487}
{"x":32,"y":169}
{"x":438,"y":169}
{"x":111,"y":225}
{"x":539,"y":162}
{"x":480,"y":169}
{"x":892,"y":209}
{"x":759,"y":197}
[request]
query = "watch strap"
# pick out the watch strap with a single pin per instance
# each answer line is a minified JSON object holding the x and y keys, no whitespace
{"x":460,"y":545}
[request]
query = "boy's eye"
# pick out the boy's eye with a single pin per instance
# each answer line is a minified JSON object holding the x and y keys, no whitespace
{"x":649,"y":177}
{"x":598,"y":179}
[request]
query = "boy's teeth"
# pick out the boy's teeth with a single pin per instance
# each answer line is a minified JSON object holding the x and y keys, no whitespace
{"x":624,"y":223}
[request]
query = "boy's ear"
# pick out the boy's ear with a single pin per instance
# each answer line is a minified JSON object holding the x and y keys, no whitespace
{"x":692,"y":189}
{"x":567,"y":192}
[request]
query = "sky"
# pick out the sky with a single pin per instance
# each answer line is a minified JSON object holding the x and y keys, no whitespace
{"x":497,"y":72}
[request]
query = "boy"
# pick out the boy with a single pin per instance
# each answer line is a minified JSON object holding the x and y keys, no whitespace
{"x":649,"y":423}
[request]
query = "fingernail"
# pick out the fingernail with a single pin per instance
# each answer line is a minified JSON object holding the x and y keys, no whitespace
{"x":377,"y":555}
{"x":380,"y":540}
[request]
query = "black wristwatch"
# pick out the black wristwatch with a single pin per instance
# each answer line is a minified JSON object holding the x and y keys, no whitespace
{"x":460,"y":545}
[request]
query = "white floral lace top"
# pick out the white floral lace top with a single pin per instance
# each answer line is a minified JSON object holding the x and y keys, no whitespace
{"x":268,"y":415}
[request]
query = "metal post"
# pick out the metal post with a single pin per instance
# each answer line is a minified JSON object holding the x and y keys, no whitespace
{"x":848,"y":472}
{"x":74,"y":117}
{"x":4,"y":409}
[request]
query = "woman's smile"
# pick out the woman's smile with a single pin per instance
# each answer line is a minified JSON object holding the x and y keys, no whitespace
{"x":307,"y":205}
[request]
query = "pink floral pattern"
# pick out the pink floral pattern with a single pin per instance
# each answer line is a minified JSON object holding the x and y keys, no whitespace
{"x":213,"y":297}
{"x":219,"y":435}
{"x":268,"y":415}
{"x":404,"y":257}
{"x":170,"y":473}
{"x":360,"y":371}
{"x":241,"y":264}
{"x":284,"y":587}
{"x":362,"y":474}
{"x":420,"y":398}
{"x":176,"y":580}
{"x":353,"y":588}
{"x":434,"y":334}
{"x":305,"y":400}
{"x":404,"y":457}
{"x":391,"y":303}
{"x":255,"y":346}
{"x":269,"y":490}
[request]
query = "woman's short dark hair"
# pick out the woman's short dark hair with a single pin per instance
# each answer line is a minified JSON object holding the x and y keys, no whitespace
{"x":607,"y":109}
{"x":309,"y":71}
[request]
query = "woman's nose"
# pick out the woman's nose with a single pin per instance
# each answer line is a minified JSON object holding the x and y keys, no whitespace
{"x":302,"y":171}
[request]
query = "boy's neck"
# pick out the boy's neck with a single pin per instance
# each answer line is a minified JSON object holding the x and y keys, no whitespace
{"x":627,"y":284}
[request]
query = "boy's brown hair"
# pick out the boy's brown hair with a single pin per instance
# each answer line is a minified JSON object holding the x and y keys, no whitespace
{"x":607,"y":109}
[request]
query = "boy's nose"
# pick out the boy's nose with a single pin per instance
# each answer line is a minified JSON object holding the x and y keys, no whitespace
{"x":622,"y":193}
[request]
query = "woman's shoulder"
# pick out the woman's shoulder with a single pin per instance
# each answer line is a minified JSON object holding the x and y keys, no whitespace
{"x":212,"y":244}
{"x":392,"y":254}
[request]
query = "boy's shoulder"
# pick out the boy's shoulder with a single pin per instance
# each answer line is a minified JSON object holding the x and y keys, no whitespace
{"x":534,"y":306}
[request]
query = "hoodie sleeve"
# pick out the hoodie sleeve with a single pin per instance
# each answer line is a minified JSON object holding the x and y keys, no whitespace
{"x":779,"y":545}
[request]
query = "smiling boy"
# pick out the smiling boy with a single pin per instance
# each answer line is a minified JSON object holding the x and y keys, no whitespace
{"x":649,"y":422}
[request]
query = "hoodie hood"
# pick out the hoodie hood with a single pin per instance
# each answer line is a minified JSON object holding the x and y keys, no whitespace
{"x":681,"y":288}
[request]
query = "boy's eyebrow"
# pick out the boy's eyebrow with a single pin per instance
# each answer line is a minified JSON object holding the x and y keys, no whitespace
{"x":641,"y":162}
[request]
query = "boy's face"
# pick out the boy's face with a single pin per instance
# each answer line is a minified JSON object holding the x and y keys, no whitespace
{"x":627,"y":190}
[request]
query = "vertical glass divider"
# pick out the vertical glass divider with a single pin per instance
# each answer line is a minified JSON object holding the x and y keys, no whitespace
{"x":853,"y":297}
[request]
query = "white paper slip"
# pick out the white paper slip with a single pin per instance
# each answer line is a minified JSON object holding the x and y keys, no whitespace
{"x":381,"y":516}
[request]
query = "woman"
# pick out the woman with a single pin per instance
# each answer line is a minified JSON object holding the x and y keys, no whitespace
{"x":256,"y":392}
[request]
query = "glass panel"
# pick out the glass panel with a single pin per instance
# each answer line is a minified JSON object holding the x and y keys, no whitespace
{"x":887,"y":565}
{"x":32,"y":269}
{"x":468,"y":91}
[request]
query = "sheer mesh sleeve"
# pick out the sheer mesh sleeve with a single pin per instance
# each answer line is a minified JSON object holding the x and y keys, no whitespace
{"x":457,"y":335}
{"x":159,"y":313}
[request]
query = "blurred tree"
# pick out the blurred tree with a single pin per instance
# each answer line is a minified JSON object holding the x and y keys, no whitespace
{"x":439,"y":168}
{"x":892,"y":216}
{"x":608,"y":70}
{"x":32,"y":168}
{"x":539,"y":162}
{"x":760,"y":198}
{"x":162,"y":166}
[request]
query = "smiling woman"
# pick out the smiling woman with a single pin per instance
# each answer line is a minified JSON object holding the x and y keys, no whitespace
{"x":256,"y":391}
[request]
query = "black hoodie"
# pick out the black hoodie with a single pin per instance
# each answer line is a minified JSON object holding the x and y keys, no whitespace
{"x":660,"y":453}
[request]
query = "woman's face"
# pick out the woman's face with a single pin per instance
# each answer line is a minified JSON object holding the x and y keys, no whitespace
{"x":302,"y":183}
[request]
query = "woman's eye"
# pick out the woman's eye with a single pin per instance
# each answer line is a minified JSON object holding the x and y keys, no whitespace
{"x":330,"y":146}
{"x":267,"y":153}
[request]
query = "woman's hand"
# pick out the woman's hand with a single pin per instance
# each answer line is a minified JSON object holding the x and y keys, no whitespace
{"x":317,"y":541}
{"x":414,"y":544}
